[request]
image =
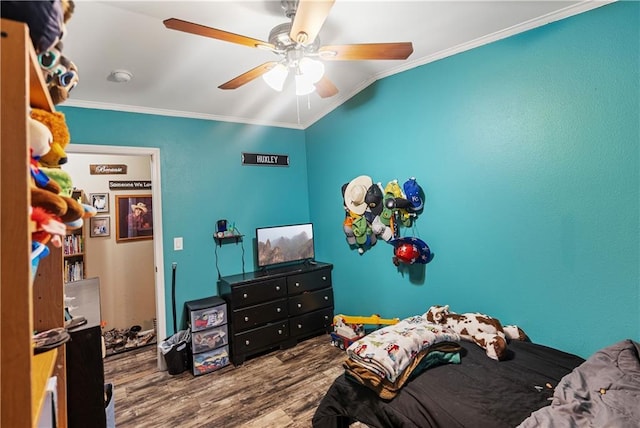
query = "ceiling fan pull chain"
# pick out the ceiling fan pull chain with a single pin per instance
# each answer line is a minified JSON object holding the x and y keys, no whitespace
{"x":298,"y":108}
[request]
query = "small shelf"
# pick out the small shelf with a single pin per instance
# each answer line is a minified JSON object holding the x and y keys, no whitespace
{"x":73,"y":255}
{"x":227,"y":238}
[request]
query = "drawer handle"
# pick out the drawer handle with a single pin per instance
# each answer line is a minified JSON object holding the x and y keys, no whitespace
{"x":324,"y":278}
{"x":299,"y":305}
{"x":246,"y":318}
{"x":277,"y":288}
{"x":279,"y":331}
{"x":245,"y":295}
{"x":278,"y":309}
{"x":326,"y":317}
{"x":246,"y":342}
{"x":326,"y":297}
{"x":297,"y":284}
{"x":299,"y":325}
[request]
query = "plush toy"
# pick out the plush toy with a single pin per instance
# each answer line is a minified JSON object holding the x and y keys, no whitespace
{"x":62,"y":80}
{"x":60,"y":74}
{"x":80,"y":210}
{"x":56,"y":123}
{"x":50,"y":208}
{"x":40,"y":138}
{"x":46,"y":19}
{"x":485,"y":331}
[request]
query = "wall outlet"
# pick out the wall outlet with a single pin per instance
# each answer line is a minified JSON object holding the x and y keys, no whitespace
{"x":177,"y":244}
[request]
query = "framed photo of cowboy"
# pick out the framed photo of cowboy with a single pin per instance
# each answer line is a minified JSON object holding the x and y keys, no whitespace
{"x":134,"y":217}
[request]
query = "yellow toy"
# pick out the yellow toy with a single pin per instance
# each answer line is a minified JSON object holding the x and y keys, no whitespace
{"x":348,"y":328}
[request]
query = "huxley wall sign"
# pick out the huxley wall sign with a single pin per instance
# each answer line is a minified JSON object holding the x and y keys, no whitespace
{"x":265,"y":159}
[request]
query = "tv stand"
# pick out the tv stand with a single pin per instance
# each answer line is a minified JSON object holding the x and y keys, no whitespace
{"x":277,"y":308}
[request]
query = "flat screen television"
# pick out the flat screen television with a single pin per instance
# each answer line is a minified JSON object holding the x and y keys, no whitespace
{"x":278,"y":245}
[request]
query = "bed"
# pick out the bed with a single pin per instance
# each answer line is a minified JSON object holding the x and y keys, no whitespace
{"x":535,"y":386}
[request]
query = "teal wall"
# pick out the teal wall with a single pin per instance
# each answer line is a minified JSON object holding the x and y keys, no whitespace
{"x":527,"y":150}
{"x":202,"y":181}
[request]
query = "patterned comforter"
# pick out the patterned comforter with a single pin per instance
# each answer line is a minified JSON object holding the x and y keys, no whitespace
{"x":388,"y":352}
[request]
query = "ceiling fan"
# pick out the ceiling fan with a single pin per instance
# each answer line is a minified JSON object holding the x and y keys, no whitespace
{"x":298,"y":45}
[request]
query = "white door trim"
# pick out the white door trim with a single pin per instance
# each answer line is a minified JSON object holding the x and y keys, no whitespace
{"x":156,"y":192}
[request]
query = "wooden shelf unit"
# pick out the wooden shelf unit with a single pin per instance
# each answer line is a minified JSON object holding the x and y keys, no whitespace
{"x":26,"y":303}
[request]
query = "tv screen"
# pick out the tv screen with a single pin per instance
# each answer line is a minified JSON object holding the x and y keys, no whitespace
{"x":284,"y":244}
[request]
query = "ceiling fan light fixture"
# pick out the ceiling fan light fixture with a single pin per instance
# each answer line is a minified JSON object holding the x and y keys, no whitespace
{"x":304,"y":85}
{"x":276,"y":76}
{"x":311,"y":69}
{"x":327,"y":54}
{"x":302,"y":37}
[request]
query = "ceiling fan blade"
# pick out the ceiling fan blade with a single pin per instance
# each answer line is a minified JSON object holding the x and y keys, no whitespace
{"x":214,"y":33}
{"x":308,"y":20}
{"x":325,"y":88}
{"x":247,"y":77}
{"x":400,"y":50}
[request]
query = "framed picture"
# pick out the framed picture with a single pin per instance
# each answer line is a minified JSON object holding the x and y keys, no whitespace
{"x":134,"y":217}
{"x":99,"y":226}
{"x":100,"y":201}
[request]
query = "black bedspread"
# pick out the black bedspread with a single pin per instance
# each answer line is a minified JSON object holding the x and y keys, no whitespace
{"x":478,"y":392}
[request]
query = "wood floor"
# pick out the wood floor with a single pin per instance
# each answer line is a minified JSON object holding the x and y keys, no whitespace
{"x":279,"y":389}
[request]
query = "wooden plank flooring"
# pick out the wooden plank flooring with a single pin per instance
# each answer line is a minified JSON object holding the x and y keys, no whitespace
{"x":279,"y":389}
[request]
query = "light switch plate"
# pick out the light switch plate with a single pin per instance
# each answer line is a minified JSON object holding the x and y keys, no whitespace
{"x":177,"y":244}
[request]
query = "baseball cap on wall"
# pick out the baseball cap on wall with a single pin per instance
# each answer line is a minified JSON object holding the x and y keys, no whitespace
{"x":412,"y":191}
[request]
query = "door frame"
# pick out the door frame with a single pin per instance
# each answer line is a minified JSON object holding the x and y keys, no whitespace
{"x":156,"y":192}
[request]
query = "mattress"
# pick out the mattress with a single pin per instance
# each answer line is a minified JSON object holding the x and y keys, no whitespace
{"x":478,"y":392}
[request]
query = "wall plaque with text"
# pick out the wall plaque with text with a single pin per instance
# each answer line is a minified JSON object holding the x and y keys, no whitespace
{"x":103,"y":169}
{"x":130,"y":185}
{"x":265,"y":159}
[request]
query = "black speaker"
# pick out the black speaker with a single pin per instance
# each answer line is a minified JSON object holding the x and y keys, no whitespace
{"x":85,"y":379}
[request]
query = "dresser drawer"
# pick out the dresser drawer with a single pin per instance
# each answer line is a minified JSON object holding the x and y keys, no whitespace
{"x":307,"y":302}
{"x":261,"y":337}
{"x":247,"y":295}
{"x":309,"y":281}
{"x":251,"y":316}
{"x":311,"y":322}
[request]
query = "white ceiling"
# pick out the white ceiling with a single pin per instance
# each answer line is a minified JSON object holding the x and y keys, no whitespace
{"x":178,"y":74}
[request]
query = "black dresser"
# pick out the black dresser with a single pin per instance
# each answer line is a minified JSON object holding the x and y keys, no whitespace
{"x":276,"y":308}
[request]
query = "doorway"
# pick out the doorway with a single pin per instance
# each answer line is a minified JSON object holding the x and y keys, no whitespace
{"x":156,"y":193}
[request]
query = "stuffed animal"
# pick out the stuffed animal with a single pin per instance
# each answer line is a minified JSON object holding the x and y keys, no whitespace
{"x":79,"y":211}
{"x":46,"y":19}
{"x":51,"y":212}
{"x":485,"y":331}
{"x":57,"y":124}
{"x":63,"y":79}
{"x":60,"y":74}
